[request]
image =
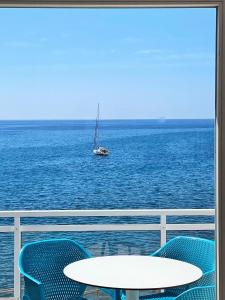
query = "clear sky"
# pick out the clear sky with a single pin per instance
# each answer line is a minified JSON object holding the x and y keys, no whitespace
{"x":138,"y":63}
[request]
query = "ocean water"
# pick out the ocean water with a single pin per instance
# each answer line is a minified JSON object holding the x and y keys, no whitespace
{"x":152,"y":164}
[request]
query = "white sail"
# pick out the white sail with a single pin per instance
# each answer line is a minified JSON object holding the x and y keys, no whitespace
{"x":97,"y":149}
{"x":96,"y":136}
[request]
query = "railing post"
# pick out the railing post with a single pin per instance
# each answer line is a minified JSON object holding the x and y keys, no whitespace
{"x":163,"y":229}
{"x":17,"y":247}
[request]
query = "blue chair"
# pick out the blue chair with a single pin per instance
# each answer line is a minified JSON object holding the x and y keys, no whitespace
{"x":197,"y":251}
{"x":42,"y":263}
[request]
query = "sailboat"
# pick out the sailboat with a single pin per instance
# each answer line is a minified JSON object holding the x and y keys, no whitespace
{"x":97,"y":149}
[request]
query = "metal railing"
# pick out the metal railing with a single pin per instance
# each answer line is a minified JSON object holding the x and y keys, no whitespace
{"x":163,"y":226}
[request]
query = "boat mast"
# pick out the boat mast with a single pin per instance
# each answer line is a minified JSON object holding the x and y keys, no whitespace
{"x":96,"y":130}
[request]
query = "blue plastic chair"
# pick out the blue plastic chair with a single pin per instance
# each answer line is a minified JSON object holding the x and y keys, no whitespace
{"x":197,"y":251}
{"x":42,"y":263}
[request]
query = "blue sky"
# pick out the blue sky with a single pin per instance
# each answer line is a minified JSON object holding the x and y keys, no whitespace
{"x":138,"y":63}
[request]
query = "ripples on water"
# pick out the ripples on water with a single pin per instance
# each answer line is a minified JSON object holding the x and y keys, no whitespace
{"x":152,"y":164}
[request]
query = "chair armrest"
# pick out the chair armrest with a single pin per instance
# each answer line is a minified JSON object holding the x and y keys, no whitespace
{"x":33,"y":289}
{"x":200,"y":293}
{"x":207,"y":279}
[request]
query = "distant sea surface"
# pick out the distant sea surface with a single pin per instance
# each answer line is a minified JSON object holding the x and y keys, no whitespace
{"x":152,"y":164}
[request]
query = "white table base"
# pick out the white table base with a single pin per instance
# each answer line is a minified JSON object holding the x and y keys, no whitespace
{"x":132,"y":294}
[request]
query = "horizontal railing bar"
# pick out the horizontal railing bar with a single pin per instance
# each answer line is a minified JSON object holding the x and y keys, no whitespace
{"x":115,"y":227}
{"x":6,"y":290}
{"x":108,"y":227}
{"x":91,"y":227}
{"x":179,"y":227}
{"x":7,"y":228}
{"x":108,"y":213}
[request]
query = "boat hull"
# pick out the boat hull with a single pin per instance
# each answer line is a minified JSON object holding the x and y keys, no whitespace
{"x":101,"y":151}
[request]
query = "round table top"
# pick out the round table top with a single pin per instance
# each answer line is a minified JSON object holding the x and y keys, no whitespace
{"x":132,"y":272}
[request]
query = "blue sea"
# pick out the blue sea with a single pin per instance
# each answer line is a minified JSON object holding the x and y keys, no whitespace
{"x":152,"y":164}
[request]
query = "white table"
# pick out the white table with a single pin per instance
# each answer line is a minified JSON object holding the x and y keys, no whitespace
{"x":132,"y":273}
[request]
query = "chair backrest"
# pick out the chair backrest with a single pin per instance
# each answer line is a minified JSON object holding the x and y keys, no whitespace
{"x":45,"y":261}
{"x":197,"y":251}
